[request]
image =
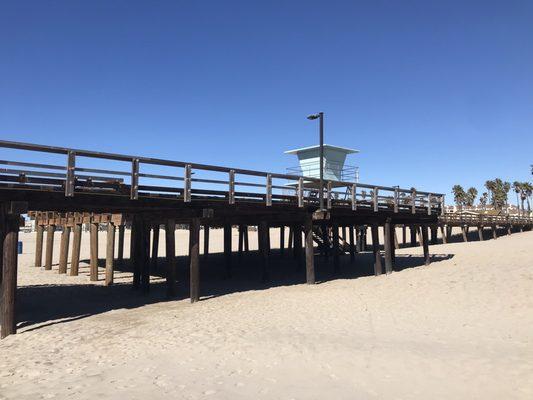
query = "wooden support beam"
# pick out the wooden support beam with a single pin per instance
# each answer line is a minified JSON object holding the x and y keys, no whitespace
{"x":9,"y":228}
{"x":351,"y":230}
{"x":120,"y":249}
{"x":262,"y":233}
{"x":50,"y":230}
{"x":309,"y":251}
{"x":290,"y":244}
{"x":39,"y":246}
{"x":63,"y":249}
{"x":194,"y":259}
{"x":378,"y":269}
{"x":155,"y":246}
{"x":227,"y":249}
{"x":76,"y":246}
{"x":335,"y":237}
{"x":240,"y":248}
{"x":246,"y":239}
{"x":387,"y":244}
{"x":94,"y":252}
{"x":433,"y":229}
{"x":110,"y":254}
{"x":425,"y":244}
{"x":396,"y":245}
{"x":494,"y":232}
{"x":404,"y":235}
{"x":170,"y":244}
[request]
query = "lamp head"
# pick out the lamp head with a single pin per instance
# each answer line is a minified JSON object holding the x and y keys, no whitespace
{"x":313,"y":116}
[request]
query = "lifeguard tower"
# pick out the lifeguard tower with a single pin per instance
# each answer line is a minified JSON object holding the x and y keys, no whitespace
{"x":334,"y":159}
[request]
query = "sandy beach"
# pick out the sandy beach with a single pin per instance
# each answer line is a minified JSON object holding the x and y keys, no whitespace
{"x":460,"y":328}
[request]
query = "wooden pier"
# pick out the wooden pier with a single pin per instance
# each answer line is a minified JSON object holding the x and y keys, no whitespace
{"x":146,"y":194}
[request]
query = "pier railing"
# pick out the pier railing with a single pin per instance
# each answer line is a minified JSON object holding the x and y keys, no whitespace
{"x":470,"y":219}
{"x":76,"y":171}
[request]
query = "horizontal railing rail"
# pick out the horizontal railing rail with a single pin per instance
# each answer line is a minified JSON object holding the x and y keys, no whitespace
{"x":194,"y":181}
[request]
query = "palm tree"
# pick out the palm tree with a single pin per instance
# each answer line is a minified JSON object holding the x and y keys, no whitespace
{"x":483,"y":199}
{"x":517,"y":186}
{"x":459,"y":195}
{"x":471,"y":195}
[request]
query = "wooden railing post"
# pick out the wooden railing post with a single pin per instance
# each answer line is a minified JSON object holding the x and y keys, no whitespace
{"x":300,"y":192}
{"x":134,"y":179}
{"x":231,"y":188}
{"x":396,"y":196}
{"x":328,"y":194}
{"x":70,"y":178}
{"x":429,"y":204}
{"x":268,"y":197}
{"x":375,"y":198}
{"x":413,"y":201}
{"x":354,"y":197}
{"x":187,"y":184}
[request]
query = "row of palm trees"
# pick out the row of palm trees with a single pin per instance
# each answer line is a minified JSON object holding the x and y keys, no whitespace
{"x":496,"y":194}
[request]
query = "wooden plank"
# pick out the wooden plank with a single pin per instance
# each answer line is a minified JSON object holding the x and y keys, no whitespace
{"x":94,"y":252}
{"x":63,"y":249}
{"x":9,"y":238}
{"x":76,"y":245}
{"x":194,"y":259}
{"x":378,"y":269}
{"x":309,"y":251}
{"x":50,"y":230}
{"x":170,"y":242}
{"x":39,"y":246}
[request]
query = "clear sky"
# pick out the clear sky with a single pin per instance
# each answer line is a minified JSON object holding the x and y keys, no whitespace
{"x":433,"y":93}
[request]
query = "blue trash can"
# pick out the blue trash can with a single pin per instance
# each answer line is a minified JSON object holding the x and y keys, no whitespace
{"x":19,"y":247}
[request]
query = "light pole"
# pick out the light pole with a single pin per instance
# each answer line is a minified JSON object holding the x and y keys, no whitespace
{"x":320,"y":116}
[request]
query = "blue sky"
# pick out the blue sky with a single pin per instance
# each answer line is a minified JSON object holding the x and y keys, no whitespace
{"x":432,"y":93}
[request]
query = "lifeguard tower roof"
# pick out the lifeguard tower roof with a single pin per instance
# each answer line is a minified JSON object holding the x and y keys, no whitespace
{"x":334,"y":158}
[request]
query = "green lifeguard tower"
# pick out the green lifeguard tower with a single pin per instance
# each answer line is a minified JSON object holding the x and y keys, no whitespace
{"x":334,"y":167}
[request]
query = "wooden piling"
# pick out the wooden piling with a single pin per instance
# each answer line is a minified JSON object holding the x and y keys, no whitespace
{"x":50,"y":230}
{"x":94,"y":252}
{"x":404,"y":235}
{"x":206,"y":241}
{"x":412,"y":231}
{"x":227,"y":249}
{"x":290,"y":244}
{"x":378,"y":269}
{"x":425,"y":244}
{"x":335,"y":238}
{"x":246,"y":240}
{"x":388,"y":247}
{"x":76,"y":245}
{"x":63,"y":249}
{"x":494,"y":232}
{"x":9,"y":228}
{"x":240,"y":247}
{"x":194,"y":259}
{"x":109,"y":254}
{"x":297,"y":249}
{"x":309,"y":251}
{"x":136,"y":243}
{"x":155,"y":247}
{"x":170,"y":244}
{"x":444,"y":231}
{"x":480,"y":232}
{"x":263,"y":233}
{"x":282,"y":240}
{"x":39,"y":246}
{"x":464,"y":233}
{"x":120,"y":249}
{"x":352,"y":242}
{"x":144,"y":256}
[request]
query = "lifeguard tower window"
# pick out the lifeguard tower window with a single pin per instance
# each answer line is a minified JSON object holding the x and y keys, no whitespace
{"x":334,"y":167}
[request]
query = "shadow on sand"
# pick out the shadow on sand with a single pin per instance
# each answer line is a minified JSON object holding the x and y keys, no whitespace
{"x":45,"y":305}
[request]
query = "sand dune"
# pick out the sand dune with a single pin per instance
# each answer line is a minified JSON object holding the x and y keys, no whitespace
{"x":459,"y":328}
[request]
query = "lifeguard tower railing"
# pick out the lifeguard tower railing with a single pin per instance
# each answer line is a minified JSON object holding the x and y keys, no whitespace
{"x":37,"y":168}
